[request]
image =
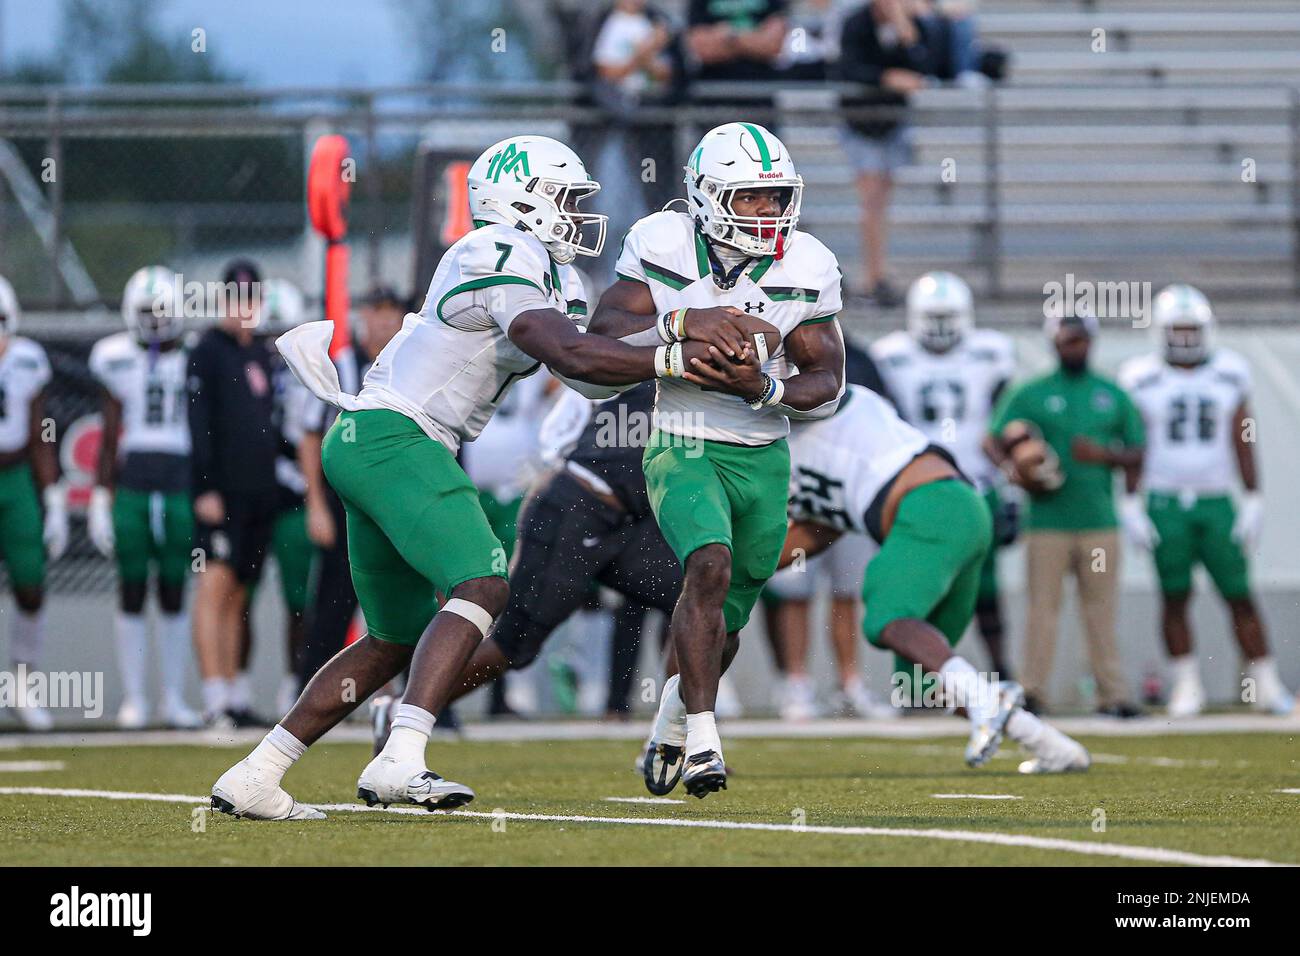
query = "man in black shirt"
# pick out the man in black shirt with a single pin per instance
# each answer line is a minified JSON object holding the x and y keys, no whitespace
{"x":235,"y":444}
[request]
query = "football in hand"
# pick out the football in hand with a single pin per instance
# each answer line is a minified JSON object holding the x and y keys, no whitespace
{"x":1034,"y":465}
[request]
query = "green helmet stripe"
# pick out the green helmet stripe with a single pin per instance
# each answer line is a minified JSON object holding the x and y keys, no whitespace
{"x":763,"y":154}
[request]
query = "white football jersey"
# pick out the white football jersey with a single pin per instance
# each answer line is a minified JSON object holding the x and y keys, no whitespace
{"x":950,"y":396}
{"x":664,"y":251}
{"x":24,"y":371}
{"x":451,"y":365}
{"x":152,"y":391}
{"x":839,"y":464}
{"x":1189,"y":415}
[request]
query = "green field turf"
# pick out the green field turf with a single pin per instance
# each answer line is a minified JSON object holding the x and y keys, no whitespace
{"x":1210,"y":794}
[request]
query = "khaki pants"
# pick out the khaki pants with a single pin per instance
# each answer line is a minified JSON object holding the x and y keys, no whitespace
{"x":1093,"y":558}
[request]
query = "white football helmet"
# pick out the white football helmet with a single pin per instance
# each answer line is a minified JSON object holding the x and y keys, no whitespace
{"x":148,"y":306}
{"x":940,"y":310}
{"x":282,"y":306}
{"x":535,"y":184}
{"x":1183,"y":323}
{"x":742,"y":156}
{"x":10,"y":311}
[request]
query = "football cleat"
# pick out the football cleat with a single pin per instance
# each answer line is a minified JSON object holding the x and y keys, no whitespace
{"x":986,"y":733}
{"x":705,"y":773}
{"x":386,"y":781}
{"x":34,"y":718}
{"x":661,"y":766}
{"x":133,"y":714}
{"x":247,"y":792}
{"x":1056,"y":753}
{"x":177,"y":716}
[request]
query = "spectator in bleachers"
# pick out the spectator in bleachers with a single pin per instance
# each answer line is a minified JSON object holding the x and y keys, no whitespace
{"x":950,"y":33}
{"x":812,"y":43}
{"x":882,"y":47}
{"x":736,"y":41}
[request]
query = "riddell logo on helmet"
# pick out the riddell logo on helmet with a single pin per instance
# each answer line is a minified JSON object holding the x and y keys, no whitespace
{"x":771,"y":175}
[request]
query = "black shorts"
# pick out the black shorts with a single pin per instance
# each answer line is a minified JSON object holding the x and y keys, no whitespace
{"x":569,"y":540}
{"x":242,"y":539}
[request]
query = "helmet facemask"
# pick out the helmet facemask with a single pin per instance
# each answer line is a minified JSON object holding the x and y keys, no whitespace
{"x":1187,"y":343}
{"x":555,"y":220}
{"x":941,"y":330}
{"x":751,"y":235}
{"x":157,"y":323}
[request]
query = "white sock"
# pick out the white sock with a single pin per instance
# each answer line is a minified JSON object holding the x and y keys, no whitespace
{"x":216,"y":697}
{"x":968,"y":688}
{"x":410,"y":732}
{"x":670,"y":722}
{"x":173,"y":654}
{"x":240,"y":692}
{"x":26,"y":637}
{"x":1026,"y":729}
{"x":277,"y":752}
{"x":132,"y":638}
{"x":1185,"y":667}
{"x":702,"y":734}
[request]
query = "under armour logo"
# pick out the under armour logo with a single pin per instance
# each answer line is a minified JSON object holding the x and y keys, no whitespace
{"x":754,"y":307}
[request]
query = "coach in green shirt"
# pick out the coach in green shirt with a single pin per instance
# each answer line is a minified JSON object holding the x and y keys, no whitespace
{"x":1094,"y":428}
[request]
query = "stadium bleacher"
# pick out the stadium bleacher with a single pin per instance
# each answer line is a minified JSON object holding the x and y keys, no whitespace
{"x":1200,"y":105}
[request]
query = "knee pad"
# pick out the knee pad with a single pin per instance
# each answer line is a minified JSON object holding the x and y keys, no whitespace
{"x":131,"y":596}
{"x":171,"y":597}
{"x":29,"y":599}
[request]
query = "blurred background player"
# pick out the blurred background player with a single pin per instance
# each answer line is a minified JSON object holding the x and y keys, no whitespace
{"x":788,"y":603}
{"x":1089,"y":427}
{"x":864,"y":470}
{"x":282,"y":309}
{"x":28,"y":478}
{"x":236,"y":494}
{"x":946,"y":376}
{"x":1195,"y":400}
{"x":140,"y":510}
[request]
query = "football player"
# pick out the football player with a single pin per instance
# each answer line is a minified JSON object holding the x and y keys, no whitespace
{"x":866,"y":471}
{"x":495,"y":312}
{"x":1195,"y":401}
{"x":139,"y":510}
{"x":946,"y":376}
{"x":717,"y":464}
{"x":28,"y":478}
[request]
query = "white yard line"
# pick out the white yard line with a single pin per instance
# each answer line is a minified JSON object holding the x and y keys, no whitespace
{"x":1116,"y":850}
{"x":908,"y":728}
{"x":657,"y":800}
{"x":30,"y":766}
{"x":1290,"y":790}
{"x":975,"y":796}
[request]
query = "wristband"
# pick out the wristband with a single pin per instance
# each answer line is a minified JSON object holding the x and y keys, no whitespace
{"x":669,"y":362}
{"x":773,"y":392}
{"x":672,"y":326}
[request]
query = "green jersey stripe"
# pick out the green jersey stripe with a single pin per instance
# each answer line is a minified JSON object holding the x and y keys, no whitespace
{"x":760,"y":268}
{"x":817,"y":320}
{"x":784,"y":294}
{"x":666,"y":276}
{"x":576,"y":307}
{"x":483,"y":283}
